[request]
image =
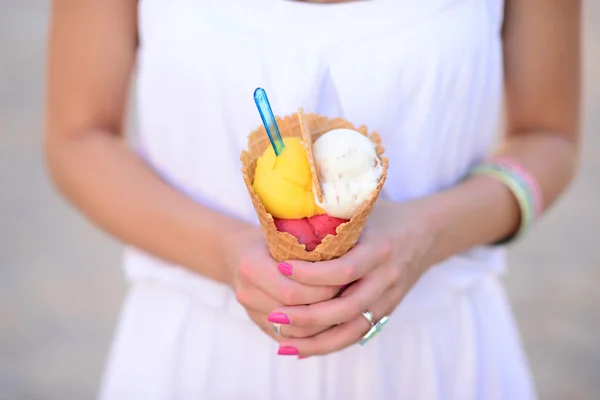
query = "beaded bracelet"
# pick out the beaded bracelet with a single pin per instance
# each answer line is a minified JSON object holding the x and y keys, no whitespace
{"x":523,"y":186}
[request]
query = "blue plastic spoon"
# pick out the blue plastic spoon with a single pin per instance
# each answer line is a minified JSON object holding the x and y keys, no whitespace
{"x":268,"y":119}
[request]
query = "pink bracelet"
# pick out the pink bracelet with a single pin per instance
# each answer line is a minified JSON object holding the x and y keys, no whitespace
{"x":522,"y":184}
{"x":518,"y":169}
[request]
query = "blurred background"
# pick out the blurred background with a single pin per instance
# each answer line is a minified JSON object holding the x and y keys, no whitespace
{"x":61,"y":283}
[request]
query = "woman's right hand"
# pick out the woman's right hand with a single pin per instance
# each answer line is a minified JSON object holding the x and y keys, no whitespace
{"x":260,"y":288}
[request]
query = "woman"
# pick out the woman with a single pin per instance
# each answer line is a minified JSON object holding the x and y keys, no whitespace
{"x":429,"y":76}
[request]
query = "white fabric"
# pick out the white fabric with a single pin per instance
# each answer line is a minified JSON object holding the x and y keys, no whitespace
{"x":427,"y":76}
{"x":172,"y":347}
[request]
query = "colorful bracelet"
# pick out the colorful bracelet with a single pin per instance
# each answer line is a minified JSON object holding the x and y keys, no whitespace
{"x":523,"y":186}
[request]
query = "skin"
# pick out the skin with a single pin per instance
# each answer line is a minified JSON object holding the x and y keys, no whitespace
{"x":91,"y":164}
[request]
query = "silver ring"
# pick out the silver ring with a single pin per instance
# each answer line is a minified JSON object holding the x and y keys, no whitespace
{"x":277,"y":329}
{"x":369,"y":316}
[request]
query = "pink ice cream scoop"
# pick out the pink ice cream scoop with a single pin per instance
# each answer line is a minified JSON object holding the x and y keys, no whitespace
{"x":310,"y":231}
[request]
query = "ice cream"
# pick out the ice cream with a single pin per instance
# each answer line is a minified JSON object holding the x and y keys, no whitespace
{"x":348,"y":169}
{"x":284,"y":183}
{"x":285,"y":187}
{"x":299,"y":235}
{"x":310,"y":231}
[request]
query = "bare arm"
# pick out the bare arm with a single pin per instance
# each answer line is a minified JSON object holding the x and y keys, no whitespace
{"x":91,"y":55}
{"x":542,"y":72}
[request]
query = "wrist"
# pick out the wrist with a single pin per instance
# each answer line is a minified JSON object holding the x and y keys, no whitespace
{"x":212,"y":244}
{"x":432,"y":219}
{"x":420,"y":221}
{"x":478,"y":211}
{"x":234,"y":241}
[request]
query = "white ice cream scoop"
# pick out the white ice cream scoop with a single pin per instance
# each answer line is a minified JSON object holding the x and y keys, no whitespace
{"x":348,"y":169}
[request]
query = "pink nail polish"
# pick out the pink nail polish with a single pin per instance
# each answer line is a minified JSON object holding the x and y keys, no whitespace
{"x":302,"y":357}
{"x":278,"y":318}
{"x":285,"y":269}
{"x":288,"y":351}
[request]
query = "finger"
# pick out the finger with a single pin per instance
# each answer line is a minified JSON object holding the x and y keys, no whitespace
{"x":285,"y":331}
{"x":344,"y":335}
{"x":259,"y":320}
{"x":355,"y":300}
{"x":368,"y":254}
{"x":263,"y":273}
{"x":254,"y":299}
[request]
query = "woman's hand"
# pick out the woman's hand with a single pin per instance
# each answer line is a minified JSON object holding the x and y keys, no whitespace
{"x":387,"y":261}
{"x":260,"y":288}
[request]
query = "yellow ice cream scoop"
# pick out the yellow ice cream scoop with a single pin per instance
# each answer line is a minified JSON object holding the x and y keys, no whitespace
{"x":283,"y":183}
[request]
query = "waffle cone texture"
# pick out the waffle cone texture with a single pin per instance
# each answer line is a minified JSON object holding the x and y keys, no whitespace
{"x":282,"y":245}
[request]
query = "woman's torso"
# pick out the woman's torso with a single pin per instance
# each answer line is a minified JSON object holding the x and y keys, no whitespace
{"x":426,"y":75}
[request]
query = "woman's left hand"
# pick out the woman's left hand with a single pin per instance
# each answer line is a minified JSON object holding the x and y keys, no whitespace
{"x":386,"y":262}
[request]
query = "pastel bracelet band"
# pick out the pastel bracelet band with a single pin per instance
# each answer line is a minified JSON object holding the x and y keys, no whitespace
{"x":523,"y":186}
{"x":531,"y":182}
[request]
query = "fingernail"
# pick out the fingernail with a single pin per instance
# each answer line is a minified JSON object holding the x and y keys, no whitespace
{"x":278,"y":318}
{"x":302,"y":357}
{"x":285,"y":269}
{"x":288,"y":351}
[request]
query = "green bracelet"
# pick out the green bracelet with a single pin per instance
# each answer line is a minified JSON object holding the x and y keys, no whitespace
{"x":520,"y":190}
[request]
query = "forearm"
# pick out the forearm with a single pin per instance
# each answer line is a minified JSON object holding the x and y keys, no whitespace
{"x":483,"y":210}
{"x":117,"y":191}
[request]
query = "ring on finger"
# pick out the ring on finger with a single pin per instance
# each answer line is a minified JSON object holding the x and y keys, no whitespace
{"x":277,"y":329}
{"x":369,"y":317}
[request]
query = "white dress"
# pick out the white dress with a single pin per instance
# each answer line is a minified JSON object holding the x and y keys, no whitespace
{"x":427,"y":76}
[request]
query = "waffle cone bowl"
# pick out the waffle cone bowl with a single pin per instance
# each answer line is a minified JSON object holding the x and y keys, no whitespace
{"x":282,"y":245}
